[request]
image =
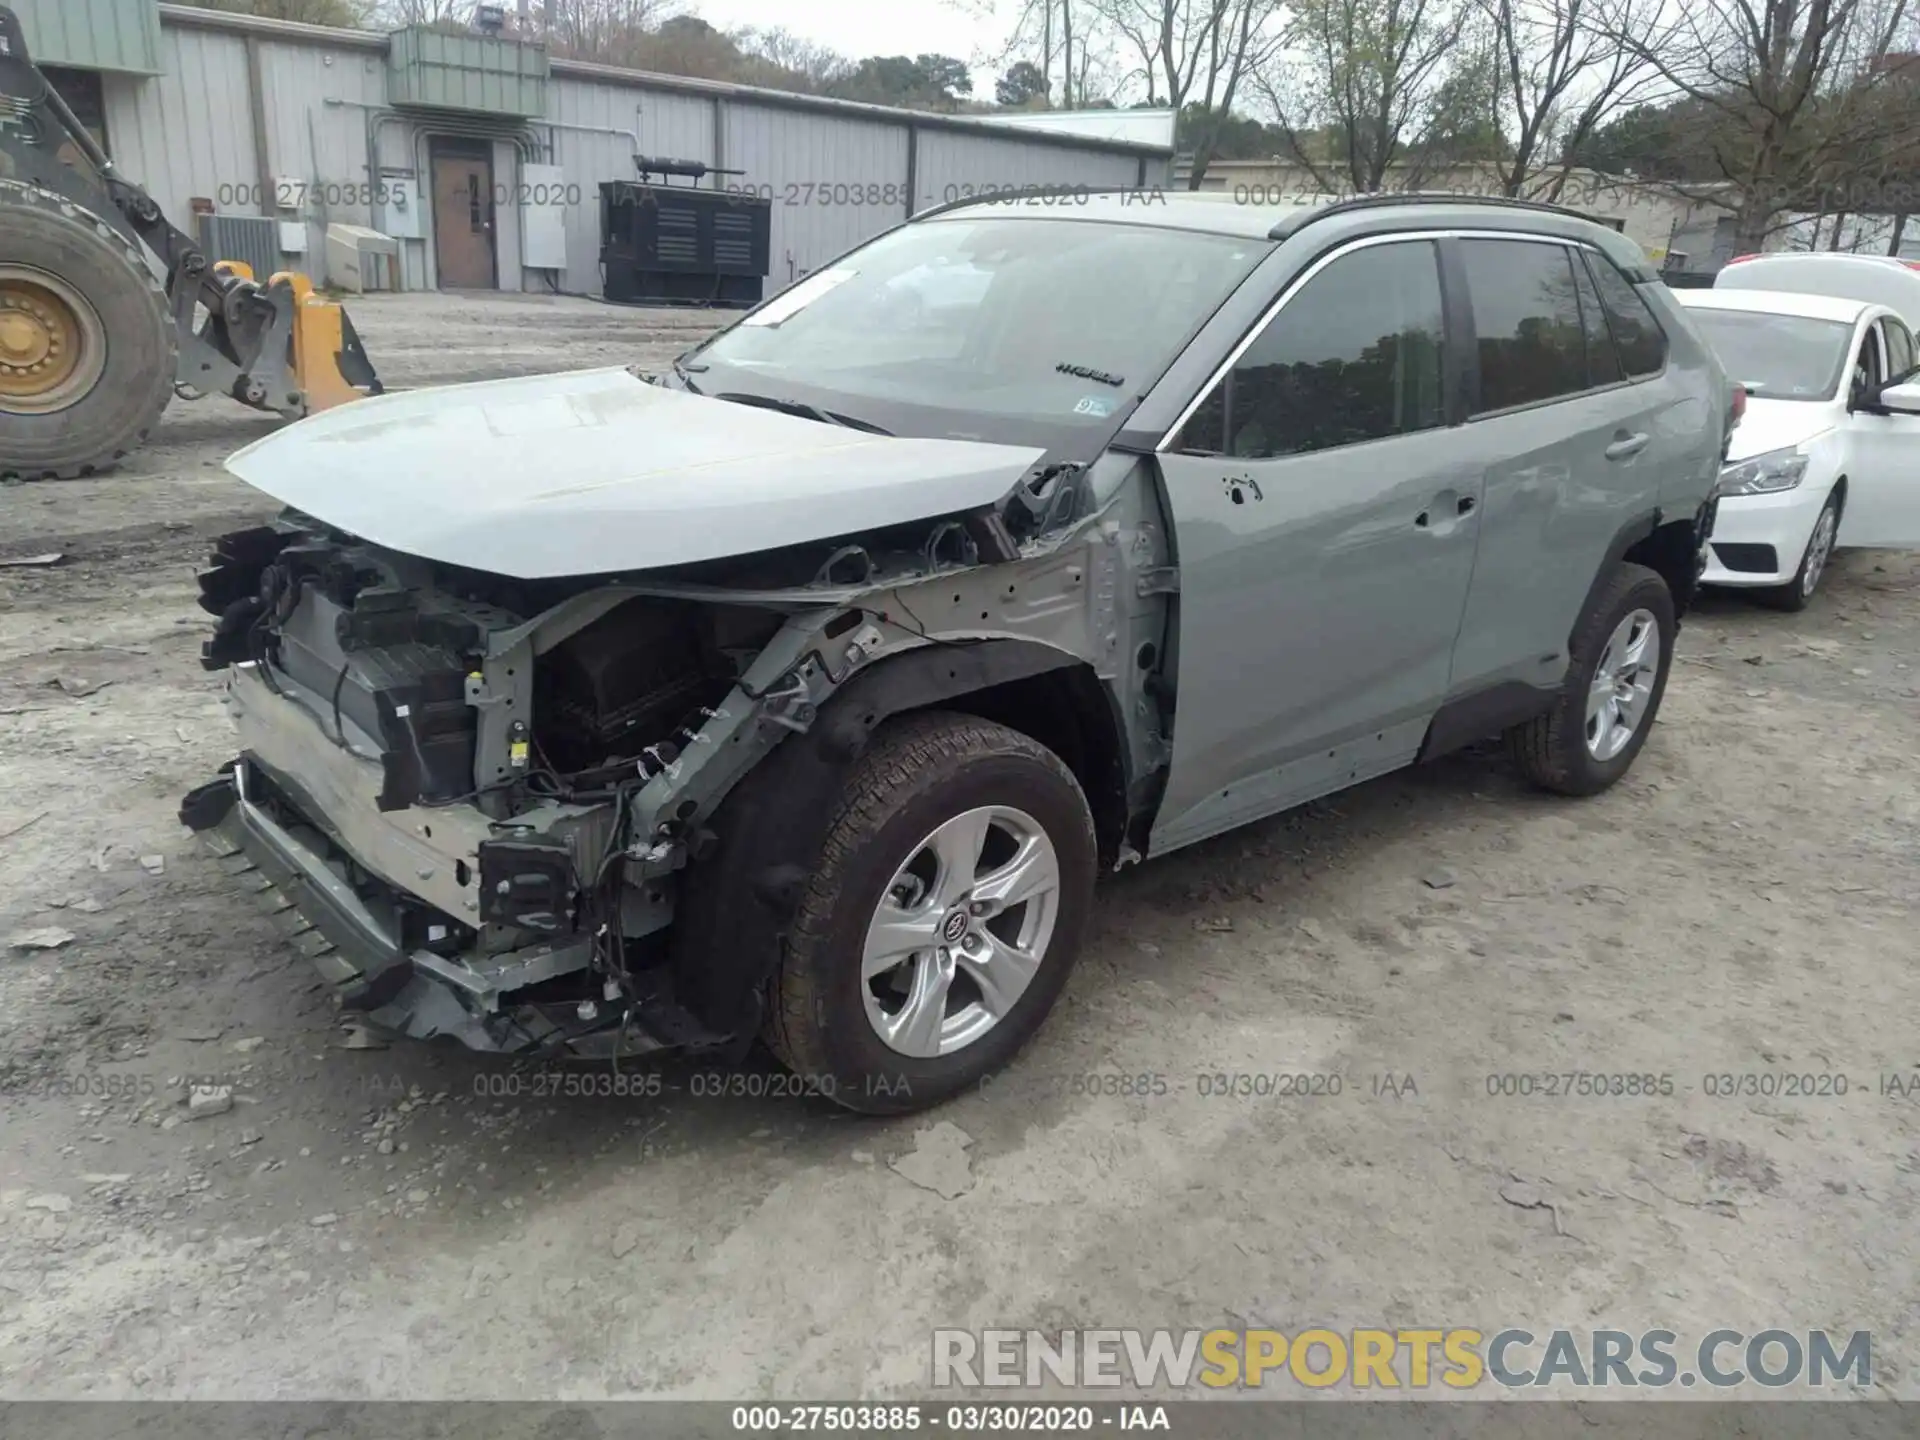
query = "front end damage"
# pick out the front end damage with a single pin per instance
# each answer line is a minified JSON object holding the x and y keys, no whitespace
{"x":567,"y":816}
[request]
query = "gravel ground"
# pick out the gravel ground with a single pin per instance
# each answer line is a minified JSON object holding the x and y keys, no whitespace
{"x":379,"y":1223}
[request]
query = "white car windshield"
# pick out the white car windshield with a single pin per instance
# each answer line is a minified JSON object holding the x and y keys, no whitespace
{"x":1778,"y":357}
{"x":985,"y":324}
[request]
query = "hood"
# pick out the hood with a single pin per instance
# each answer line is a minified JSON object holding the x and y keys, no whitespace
{"x":597,"y":471}
{"x":1776,"y":424}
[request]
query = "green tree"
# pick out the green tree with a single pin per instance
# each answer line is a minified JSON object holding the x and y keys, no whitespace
{"x":1022,"y":84}
{"x":944,"y":75}
{"x":1224,"y":135}
{"x":924,"y":81}
{"x":1653,"y":142}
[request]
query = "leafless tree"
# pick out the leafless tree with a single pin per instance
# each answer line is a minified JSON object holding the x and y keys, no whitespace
{"x":1561,"y":74}
{"x":1798,"y":94}
{"x":424,"y":12}
{"x":342,"y":14}
{"x":1063,"y":38}
{"x":614,"y":32}
{"x":778,"y":46}
{"x":1374,"y":84}
{"x":1194,"y":53}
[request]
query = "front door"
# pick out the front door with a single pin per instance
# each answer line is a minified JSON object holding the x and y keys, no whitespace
{"x":1325,"y":517}
{"x":463,"y":214}
{"x":1883,"y":459}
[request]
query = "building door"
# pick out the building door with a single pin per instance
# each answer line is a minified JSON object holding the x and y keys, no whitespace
{"x":463,"y":214}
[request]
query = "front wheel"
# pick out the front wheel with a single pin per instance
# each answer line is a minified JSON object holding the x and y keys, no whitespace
{"x":1797,"y":593}
{"x":939,"y":927}
{"x":88,"y":353}
{"x":1616,"y":675}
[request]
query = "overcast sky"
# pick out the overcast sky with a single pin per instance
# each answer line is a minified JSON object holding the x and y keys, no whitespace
{"x":858,"y":28}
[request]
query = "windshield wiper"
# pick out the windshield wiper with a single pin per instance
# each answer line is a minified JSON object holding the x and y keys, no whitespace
{"x":683,"y":372}
{"x":803,"y":410}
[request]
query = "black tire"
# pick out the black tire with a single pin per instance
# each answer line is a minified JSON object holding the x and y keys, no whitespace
{"x":919,"y":771}
{"x":1551,"y":749}
{"x":1797,"y":594}
{"x":49,"y":233}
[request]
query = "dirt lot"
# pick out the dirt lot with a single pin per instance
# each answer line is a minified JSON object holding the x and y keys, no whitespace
{"x":363,"y":1223}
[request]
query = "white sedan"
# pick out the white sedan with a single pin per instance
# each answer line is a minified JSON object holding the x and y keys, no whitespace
{"x":1829,"y":450}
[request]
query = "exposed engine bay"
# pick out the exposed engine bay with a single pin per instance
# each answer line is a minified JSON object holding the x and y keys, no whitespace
{"x":474,"y":798}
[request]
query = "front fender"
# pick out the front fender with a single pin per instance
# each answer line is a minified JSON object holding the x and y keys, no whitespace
{"x":739,"y":897}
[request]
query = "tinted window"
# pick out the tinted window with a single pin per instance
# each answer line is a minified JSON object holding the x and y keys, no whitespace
{"x":1527,"y":317}
{"x":1776,"y":357}
{"x":1866,"y":363}
{"x":1353,"y":356}
{"x":1603,"y":360}
{"x":1899,"y":348}
{"x":1636,"y":334}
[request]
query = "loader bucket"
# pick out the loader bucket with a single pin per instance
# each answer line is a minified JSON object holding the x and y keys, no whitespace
{"x":329,"y":363}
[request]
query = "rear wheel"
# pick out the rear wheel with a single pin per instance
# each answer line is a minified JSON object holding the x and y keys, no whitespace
{"x":941,"y":922}
{"x":87,"y":351}
{"x":1616,"y":675}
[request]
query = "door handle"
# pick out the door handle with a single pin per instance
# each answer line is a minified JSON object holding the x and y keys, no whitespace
{"x":1462,"y":505}
{"x":1625,"y":447}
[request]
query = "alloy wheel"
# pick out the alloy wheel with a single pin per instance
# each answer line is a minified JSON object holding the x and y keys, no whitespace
{"x":960,"y":931}
{"x":1819,"y":551}
{"x":1622,"y":685}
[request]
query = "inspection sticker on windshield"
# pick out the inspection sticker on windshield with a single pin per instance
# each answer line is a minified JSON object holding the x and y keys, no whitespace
{"x":797,"y":297}
{"x":1093,"y":405}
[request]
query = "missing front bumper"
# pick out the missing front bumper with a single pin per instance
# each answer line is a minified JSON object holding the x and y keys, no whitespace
{"x":360,"y":954}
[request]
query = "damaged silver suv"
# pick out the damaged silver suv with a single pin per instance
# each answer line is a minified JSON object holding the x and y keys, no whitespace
{"x":803,"y":692}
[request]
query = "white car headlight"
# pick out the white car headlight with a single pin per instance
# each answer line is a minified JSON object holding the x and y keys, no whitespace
{"x":1763,"y":474}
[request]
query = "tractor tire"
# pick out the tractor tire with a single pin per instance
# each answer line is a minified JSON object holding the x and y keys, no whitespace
{"x":87,"y":348}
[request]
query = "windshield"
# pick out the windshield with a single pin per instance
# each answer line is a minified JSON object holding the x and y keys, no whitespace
{"x":1777,"y":357}
{"x":1024,"y":331}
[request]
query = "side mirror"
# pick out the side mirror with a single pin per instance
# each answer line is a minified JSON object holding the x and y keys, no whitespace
{"x":1901,"y":399}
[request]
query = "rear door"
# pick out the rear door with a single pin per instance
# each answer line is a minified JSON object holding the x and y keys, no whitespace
{"x":1325,"y":514}
{"x":1575,"y":408}
{"x":1883,"y":458}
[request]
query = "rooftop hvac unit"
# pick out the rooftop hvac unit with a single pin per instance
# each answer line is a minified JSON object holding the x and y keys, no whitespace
{"x":667,"y":244}
{"x":362,"y":260}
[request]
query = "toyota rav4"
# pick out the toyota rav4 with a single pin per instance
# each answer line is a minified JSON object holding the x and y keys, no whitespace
{"x":804,"y":691}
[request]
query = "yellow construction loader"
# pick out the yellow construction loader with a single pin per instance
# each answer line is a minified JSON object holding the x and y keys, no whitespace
{"x":93,"y":343}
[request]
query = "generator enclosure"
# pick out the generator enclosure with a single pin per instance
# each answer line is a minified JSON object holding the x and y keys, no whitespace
{"x":679,"y":245}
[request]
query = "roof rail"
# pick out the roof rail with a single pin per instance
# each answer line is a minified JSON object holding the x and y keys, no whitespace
{"x":1294,"y":224}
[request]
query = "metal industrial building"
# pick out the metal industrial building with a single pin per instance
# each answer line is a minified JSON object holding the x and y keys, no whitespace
{"x":483,"y":157}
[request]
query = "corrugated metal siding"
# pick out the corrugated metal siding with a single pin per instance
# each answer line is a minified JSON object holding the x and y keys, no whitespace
{"x":952,"y":165}
{"x":677,"y":126}
{"x":93,"y":34}
{"x":324,"y":145}
{"x":833,"y":182}
{"x":187,"y":132}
